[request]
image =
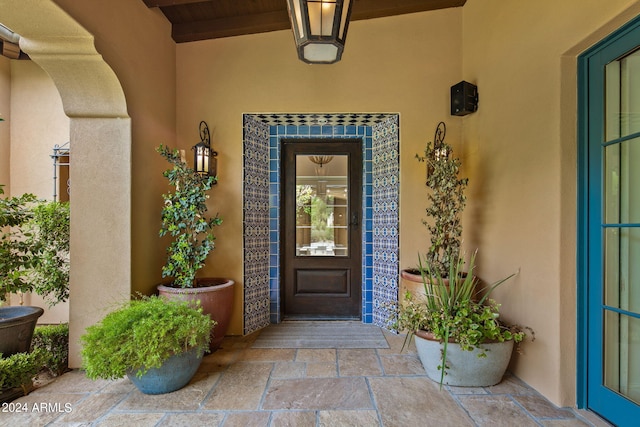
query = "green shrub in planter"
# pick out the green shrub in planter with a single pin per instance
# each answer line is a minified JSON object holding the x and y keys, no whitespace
{"x":54,"y":340}
{"x":19,"y":369}
{"x":455,"y":311}
{"x":141,"y":335}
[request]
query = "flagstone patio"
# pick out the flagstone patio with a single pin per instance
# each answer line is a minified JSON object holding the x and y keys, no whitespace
{"x":241,"y":386}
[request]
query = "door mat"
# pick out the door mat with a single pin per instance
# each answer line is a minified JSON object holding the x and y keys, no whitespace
{"x":321,"y":334}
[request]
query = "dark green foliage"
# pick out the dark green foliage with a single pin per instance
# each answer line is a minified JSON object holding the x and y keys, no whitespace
{"x":141,"y":335}
{"x":19,"y":369}
{"x":34,"y":247}
{"x":17,"y":252}
{"x":50,"y":228}
{"x":184,"y":219}
{"x":54,"y":341}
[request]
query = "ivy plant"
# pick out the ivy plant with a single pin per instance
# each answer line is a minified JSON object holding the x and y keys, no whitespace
{"x":142,"y":334}
{"x":184,"y":218}
{"x":446,"y":202}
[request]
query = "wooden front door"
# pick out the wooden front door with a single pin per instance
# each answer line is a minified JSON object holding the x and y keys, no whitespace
{"x":321,"y":231}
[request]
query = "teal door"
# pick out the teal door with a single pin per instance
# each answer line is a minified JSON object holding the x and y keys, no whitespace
{"x":609,"y":271}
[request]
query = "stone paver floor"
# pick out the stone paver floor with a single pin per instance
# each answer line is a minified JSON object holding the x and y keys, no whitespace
{"x":241,"y":386}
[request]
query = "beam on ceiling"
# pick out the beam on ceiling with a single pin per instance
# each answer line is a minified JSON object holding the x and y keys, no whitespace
{"x":166,"y":3}
{"x":279,"y":20}
{"x":231,"y":26}
{"x":369,"y":9}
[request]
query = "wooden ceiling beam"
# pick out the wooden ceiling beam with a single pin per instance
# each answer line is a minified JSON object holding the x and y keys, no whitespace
{"x":231,"y":26}
{"x":369,"y":9}
{"x":279,"y":20}
{"x":167,"y":3}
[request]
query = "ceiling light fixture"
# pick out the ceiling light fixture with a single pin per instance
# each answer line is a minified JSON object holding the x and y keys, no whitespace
{"x":320,"y":28}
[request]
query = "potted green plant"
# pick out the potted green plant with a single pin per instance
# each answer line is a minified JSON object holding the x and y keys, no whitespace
{"x":157,"y":342}
{"x":34,"y":257}
{"x":185,"y":220}
{"x":458,"y":333}
{"x":446,"y":202}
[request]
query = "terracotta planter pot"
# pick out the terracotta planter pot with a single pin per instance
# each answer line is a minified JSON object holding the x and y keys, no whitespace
{"x":464,"y":368}
{"x":216,"y":298}
{"x":411,"y":280}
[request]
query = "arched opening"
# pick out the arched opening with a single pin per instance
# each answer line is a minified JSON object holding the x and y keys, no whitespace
{"x":100,"y":134}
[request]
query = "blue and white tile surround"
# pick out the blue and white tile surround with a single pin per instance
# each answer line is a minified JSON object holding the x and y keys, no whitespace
{"x":379,"y":133}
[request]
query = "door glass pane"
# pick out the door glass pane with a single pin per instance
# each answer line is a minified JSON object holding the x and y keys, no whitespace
{"x":622,"y":269}
{"x":622,"y":98}
{"x":621,"y":198}
{"x":621,"y":182}
{"x":622,"y":354}
{"x":322,"y":209}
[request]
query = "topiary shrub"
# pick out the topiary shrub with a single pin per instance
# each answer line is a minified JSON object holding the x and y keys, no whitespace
{"x":54,"y":341}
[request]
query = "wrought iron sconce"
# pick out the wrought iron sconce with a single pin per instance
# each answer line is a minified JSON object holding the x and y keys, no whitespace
{"x":204,"y":157}
{"x":320,"y":28}
{"x":440,"y":151}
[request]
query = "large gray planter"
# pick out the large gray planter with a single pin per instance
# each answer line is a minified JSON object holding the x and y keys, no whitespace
{"x":465,"y":368}
{"x":172,"y":375}
{"x":16,"y":328}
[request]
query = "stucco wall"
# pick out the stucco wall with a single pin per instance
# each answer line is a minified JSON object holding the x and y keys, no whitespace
{"x":402,"y":64}
{"x":520,"y":156}
{"x":136,"y":43}
{"x":37,"y":124}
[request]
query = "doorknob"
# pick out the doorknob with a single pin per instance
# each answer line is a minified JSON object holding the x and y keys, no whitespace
{"x":354,"y":219}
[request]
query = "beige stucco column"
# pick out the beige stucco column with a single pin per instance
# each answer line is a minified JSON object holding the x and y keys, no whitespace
{"x":100,"y":170}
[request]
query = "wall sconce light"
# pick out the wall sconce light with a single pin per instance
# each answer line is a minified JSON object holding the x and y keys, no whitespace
{"x":320,"y":28}
{"x":204,"y":158}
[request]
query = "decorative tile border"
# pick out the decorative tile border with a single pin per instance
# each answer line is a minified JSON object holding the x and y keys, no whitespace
{"x":256,"y":225}
{"x":386,"y":188}
{"x":380,"y":135}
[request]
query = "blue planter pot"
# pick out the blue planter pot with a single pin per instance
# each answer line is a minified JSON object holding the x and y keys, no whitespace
{"x":16,"y":328}
{"x":175,"y":373}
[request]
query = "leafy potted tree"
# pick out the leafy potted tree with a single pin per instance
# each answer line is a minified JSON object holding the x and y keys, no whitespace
{"x":185,"y":220}
{"x":446,"y":203}
{"x":157,"y":342}
{"x":459,"y":336}
{"x":34,"y":257}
